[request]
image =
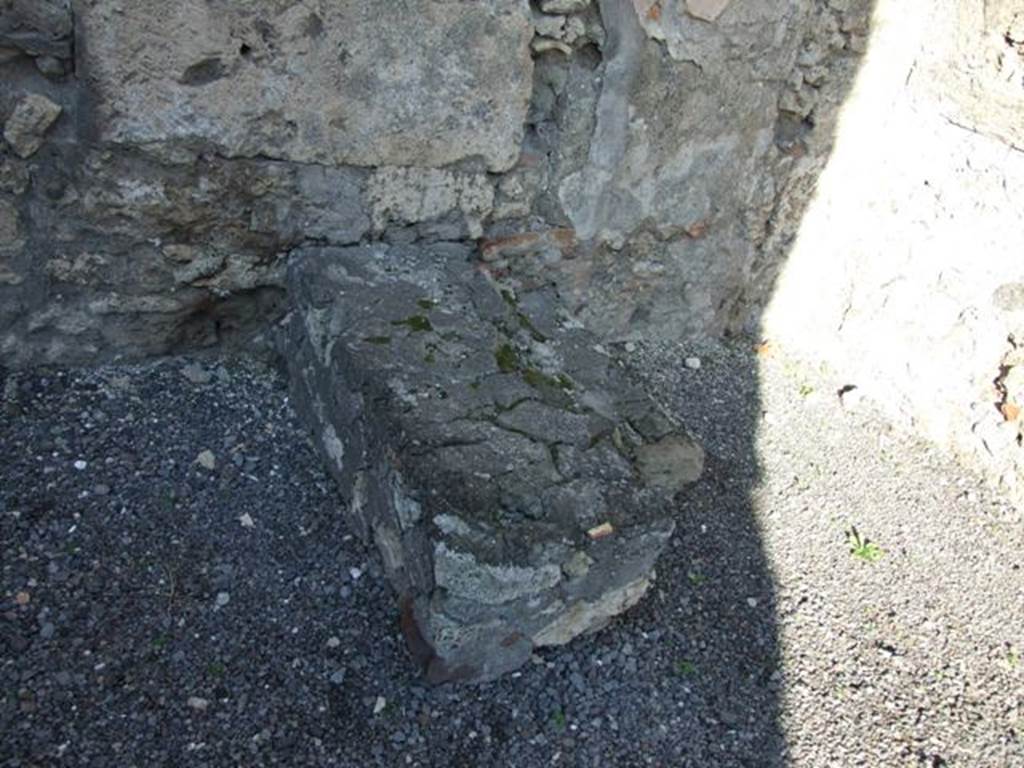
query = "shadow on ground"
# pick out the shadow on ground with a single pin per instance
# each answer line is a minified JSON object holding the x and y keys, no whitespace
{"x":160,"y":612}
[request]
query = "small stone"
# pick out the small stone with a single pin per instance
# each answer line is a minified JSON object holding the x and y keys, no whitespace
{"x":22,"y":598}
{"x":196,"y":374}
{"x":207,"y":460}
{"x":333,"y":642}
{"x":549,"y":26}
{"x":697,"y":229}
{"x":542,"y":44}
{"x":379,"y":704}
{"x":630,"y":347}
{"x":223,"y":598}
{"x":850,"y":396}
{"x":198,"y":704}
{"x":706,"y":10}
{"x":563,"y":6}
{"x":80,"y":465}
{"x":752,"y":602}
{"x":29,"y":122}
{"x":577,"y":566}
{"x":671,"y":463}
{"x":47,"y":631}
{"x":693,"y":363}
{"x":246,"y":520}
{"x":601,"y":531}
{"x":355,"y":573}
{"x":338,"y":678}
{"x":102,"y":489}
{"x":50,"y":66}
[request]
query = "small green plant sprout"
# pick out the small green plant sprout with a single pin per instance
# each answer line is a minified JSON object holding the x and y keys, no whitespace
{"x":558,"y":720}
{"x":806,"y":390}
{"x":1012,"y":659}
{"x":863,"y":547}
{"x":695,"y":578}
{"x":686,"y":668}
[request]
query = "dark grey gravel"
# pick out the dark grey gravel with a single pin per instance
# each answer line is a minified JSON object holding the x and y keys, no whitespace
{"x":763,"y":643}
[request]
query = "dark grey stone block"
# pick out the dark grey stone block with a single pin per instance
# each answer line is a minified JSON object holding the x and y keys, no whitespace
{"x":515,"y":481}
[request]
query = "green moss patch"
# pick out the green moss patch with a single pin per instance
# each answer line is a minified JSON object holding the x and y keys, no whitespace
{"x":507,"y":358}
{"x":415,"y":323}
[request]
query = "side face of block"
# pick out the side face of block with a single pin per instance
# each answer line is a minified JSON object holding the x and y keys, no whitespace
{"x":514,"y":480}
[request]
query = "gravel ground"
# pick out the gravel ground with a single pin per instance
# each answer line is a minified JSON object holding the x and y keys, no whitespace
{"x":178,"y":587}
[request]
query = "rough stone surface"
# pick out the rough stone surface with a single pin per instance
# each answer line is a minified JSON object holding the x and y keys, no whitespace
{"x":27,"y":125}
{"x":479,"y":435}
{"x":350,"y":82}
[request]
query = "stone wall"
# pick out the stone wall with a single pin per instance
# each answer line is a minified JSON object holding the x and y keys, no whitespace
{"x":161,"y":159}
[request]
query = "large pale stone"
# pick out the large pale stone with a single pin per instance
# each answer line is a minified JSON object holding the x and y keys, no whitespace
{"x":426,"y":82}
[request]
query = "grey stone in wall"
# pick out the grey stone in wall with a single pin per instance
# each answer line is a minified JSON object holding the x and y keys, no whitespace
{"x":515,"y":480}
{"x":29,"y":122}
{"x":349,"y":82}
{"x":37,"y":28}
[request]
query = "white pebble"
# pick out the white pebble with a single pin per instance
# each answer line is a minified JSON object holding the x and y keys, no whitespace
{"x":207,"y":460}
{"x":80,"y":465}
{"x":197,"y":703}
{"x":223,"y":598}
{"x":693,"y":363}
{"x":379,"y":704}
{"x":333,"y":642}
{"x":355,"y":573}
